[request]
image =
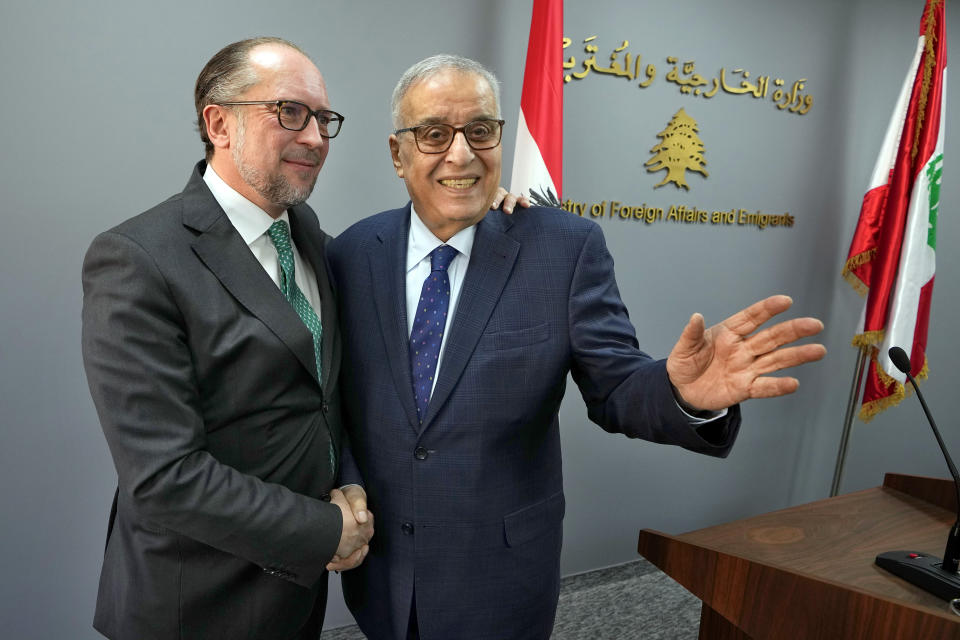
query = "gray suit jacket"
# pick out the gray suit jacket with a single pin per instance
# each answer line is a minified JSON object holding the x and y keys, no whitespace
{"x":222,"y":436}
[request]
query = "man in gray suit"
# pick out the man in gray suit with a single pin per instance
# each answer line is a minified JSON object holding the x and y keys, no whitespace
{"x":212,"y":353}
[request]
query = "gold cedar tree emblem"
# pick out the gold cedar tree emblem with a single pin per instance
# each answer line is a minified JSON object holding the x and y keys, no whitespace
{"x":678,"y":151}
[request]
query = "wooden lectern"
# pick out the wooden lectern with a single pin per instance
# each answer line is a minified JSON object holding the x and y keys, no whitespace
{"x":808,"y":571}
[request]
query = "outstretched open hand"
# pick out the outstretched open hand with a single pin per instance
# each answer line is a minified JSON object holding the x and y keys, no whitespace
{"x":715,"y":368}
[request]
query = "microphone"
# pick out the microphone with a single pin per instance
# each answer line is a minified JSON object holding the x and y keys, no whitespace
{"x":918,"y":568}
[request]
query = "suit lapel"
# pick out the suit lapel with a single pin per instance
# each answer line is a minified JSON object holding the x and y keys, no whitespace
{"x":388,"y":262}
{"x":308,"y":238}
{"x":491,"y":262}
{"x":228,"y":257}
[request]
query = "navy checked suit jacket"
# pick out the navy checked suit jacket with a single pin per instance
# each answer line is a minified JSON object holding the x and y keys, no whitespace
{"x":469,"y":505}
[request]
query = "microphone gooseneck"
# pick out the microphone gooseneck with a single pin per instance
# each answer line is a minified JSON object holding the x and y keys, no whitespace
{"x":939,"y":578}
{"x":902,"y":362}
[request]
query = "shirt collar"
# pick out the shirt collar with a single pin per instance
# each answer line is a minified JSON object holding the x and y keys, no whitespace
{"x":422,"y":241}
{"x":249,"y":220}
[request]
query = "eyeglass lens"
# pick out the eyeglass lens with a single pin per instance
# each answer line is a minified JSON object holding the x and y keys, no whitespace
{"x":295,"y":116}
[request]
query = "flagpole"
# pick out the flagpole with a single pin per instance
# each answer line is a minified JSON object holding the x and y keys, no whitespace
{"x":848,"y":420}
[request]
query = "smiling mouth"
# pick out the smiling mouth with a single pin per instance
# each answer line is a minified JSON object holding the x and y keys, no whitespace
{"x":459,"y":183}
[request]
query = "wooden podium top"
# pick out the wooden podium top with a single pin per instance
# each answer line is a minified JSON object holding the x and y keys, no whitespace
{"x":817,"y":561}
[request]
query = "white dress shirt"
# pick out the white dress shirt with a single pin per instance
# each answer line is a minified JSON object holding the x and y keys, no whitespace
{"x":252,"y":223}
{"x":420,"y":243}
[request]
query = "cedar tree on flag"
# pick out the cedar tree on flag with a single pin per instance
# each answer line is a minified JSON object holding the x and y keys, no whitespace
{"x":891,"y":257}
{"x":538,"y":155}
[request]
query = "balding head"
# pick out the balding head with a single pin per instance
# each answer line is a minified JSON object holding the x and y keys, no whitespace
{"x":240,"y":95}
{"x":228,"y":74}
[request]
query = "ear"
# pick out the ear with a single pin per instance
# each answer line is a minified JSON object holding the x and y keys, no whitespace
{"x":395,"y":154}
{"x":215,"y":118}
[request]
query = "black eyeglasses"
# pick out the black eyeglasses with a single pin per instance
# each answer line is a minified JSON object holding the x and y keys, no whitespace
{"x":437,"y":138}
{"x":295,"y":116}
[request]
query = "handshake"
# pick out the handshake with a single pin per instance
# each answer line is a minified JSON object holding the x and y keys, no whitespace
{"x":357,"y":528}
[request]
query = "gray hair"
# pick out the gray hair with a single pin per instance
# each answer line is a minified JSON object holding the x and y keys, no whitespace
{"x":227,"y":75}
{"x":432,"y":66}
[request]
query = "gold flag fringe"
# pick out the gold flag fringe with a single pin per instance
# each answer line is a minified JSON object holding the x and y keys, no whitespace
{"x":868,"y":339}
{"x":871,"y":409}
{"x":928,"y":62}
{"x":856,"y":262}
{"x":856,"y":283}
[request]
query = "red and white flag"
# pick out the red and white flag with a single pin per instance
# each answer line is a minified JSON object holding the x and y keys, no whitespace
{"x":538,"y":156}
{"x":891,"y":257}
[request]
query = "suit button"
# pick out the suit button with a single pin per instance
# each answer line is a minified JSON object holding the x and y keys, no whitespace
{"x":407,"y":529}
{"x":420,"y":453}
{"x":325,"y":497}
{"x":325,"y":408}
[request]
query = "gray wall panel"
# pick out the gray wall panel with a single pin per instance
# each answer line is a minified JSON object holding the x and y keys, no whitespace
{"x":97,"y":124}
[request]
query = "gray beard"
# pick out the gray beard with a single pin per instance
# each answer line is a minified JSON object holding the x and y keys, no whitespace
{"x":274,"y":188}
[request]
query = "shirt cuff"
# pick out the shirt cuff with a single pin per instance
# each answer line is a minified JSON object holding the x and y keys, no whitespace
{"x":702,"y":417}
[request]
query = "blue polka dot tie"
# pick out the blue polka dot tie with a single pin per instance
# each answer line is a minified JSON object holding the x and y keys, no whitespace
{"x":428,"y":326}
{"x":280,"y":235}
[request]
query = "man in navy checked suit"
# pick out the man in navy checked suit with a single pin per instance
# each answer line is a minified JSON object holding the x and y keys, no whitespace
{"x":467,"y":488}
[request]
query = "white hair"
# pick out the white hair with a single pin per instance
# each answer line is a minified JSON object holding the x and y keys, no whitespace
{"x":433,"y":65}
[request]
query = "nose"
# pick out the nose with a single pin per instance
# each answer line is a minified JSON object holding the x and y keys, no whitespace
{"x":310,"y":135}
{"x":460,"y":152}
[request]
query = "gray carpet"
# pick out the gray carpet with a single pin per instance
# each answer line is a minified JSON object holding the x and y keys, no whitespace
{"x":632,"y":601}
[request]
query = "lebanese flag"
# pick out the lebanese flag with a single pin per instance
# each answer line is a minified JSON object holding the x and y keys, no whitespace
{"x":538,"y":155}
{"x":891,"y":258}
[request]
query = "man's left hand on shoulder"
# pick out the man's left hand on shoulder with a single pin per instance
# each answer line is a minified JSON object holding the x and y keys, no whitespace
{"x":716,"y":368}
